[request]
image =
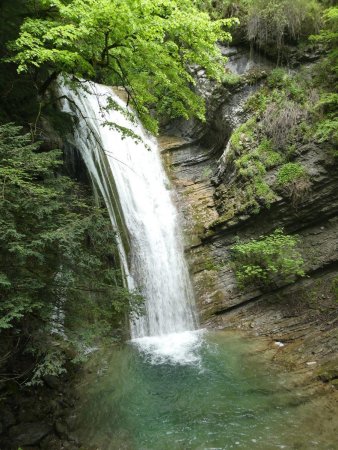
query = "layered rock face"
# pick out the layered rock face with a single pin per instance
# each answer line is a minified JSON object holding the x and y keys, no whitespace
{"x":304,"y":312}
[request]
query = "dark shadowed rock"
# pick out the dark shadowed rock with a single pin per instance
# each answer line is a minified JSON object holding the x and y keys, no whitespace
{"x":30,"y":433}
{"x":51,"y":381}
{"x":61,"y":429}
{"x":7,"y":418}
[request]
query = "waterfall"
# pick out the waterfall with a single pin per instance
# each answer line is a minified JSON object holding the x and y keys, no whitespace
{"x":130,"y":177}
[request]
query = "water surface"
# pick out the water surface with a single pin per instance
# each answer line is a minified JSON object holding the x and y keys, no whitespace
{"x":215,"y":391}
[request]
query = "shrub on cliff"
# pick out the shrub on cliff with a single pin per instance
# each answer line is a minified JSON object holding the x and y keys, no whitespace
{"x":293,"y":180}
{"x":268,"y":260}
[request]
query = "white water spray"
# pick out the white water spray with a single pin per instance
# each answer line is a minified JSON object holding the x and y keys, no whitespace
{"x":134,"y":186}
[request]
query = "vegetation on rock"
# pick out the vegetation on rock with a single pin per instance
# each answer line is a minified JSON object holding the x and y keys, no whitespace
{"x":286,"y":115}
{"x":294,"y":180}
{"x":267,"y":260}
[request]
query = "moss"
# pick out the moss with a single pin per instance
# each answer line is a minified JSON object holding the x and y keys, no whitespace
{"x":257,"y":102}
{"x":327,"y":131}
{"x":277,"y":78}
{"x":254,"y":75}
{"x":264,"y":191}
{"x":228,"y":215}
{"x":335,"y":288}
{"x":210,"y":265}
{"x":232,"y":79}
{"x":209,"y":233}
{"x":251,"y":205}
{"x":267,"y":155}
{"x":335,"y":383}
{"x":241,"y":135}
{"x":329,"y":371}
{"x":282,"y":119}
{"x":290,"y":173}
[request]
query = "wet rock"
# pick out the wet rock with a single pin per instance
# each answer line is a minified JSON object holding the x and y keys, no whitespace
{"x":30,"y":433}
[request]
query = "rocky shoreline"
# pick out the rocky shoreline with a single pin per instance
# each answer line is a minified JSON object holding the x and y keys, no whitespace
{"x":40,"y":417}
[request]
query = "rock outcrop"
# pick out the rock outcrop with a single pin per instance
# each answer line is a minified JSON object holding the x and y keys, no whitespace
{"x":303,"y":314}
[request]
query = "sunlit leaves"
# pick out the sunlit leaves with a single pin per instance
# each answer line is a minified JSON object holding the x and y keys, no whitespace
{"x":147,"y":46}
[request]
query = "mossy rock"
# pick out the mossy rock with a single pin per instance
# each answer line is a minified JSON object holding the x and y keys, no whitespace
{"x":335,"y":383}
{"x":329,"y":372}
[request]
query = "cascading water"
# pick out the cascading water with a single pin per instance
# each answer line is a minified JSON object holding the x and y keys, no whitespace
{"x":131,"y":179}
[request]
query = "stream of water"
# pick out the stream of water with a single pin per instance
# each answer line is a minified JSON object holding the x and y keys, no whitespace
{"x":132,"y":181}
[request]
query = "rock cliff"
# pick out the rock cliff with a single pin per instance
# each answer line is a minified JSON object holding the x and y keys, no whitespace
{"x":212,"y":194}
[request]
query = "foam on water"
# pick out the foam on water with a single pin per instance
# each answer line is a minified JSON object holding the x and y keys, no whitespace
{"x":174,"y":348}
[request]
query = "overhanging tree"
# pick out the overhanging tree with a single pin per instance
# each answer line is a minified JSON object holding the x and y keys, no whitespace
{"x":148,"y":46}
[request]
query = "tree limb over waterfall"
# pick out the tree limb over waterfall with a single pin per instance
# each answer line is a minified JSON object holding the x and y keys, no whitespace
{"x":147,"y":46}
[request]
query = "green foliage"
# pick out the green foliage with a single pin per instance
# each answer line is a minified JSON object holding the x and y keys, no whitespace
{"x":267,"y":260}
{"x":290,"y":173}
{"x":242,"y":135}
{"x":222,"y":8}
{"x":231,"y":79}
{"x":328,"y":37}
{"x":257,"y":102}
{"x":294,"y":181}
{"x":327,"y":77}
{"x":277,"y":78}
{"x":326,"y":111}
{"x":59,"y":272}
{"x":210,"y":265}
{"x":335,"y":288}
{"x":268,"y":156}
{"x":148,"y":47}
{"x":275,"y":22}
{"x":51,"y":362}
{"x":281,"y":119}
{"x":327,"y":131}
{"x":251,"y":164}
